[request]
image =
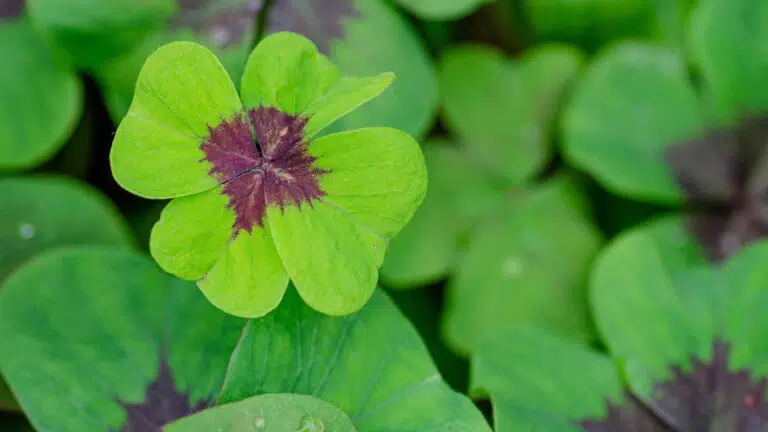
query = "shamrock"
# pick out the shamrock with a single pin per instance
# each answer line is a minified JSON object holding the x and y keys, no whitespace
{"x":258,"y":197}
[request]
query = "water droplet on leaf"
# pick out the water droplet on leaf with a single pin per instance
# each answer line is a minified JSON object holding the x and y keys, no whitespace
{"x":27,"y":231}
{"x":512,"y":267}
{"x":311,"y":424}
{"x":260,"y":423}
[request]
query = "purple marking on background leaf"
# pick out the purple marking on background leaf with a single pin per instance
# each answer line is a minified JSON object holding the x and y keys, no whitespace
{"x":727,"y":168}
{"x":274,"y":170}
{"x":11,"y":9}
{"x":706,"y":396}
{"x":631,"y":416}
{"x":321,"y":21}
{"x":162,"y":404}
{"x":223,"y":23}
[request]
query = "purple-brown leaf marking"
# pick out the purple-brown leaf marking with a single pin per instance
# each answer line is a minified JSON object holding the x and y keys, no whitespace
{"x":706,"y":396}
{"x":275,"y":169}
{"x":321,"y":21}
{"x":162,"y":404}
{"x":632,"y":416}
{"x":224,"y":23}
{"x":11,"y":9}
{"x":725,"y":173}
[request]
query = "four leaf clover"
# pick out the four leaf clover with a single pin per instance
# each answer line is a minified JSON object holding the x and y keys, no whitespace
{"x":258,"y":197}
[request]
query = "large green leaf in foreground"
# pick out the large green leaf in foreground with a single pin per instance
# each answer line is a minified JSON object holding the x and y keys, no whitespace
{"x":685,"y":346}
{"x":28,"y":225}
{"x":371,"y":364}
{"x":100,"y":339}
{"x":368,"y":37}
{"x":40,"y":97}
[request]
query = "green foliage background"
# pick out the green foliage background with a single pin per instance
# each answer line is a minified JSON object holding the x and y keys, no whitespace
{"x":554,"y":220}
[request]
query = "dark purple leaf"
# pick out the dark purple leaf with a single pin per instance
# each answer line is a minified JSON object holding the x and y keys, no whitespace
{"x":262,"y":162}
{"x":319,"y":20}
{"x":11,"y":9}
{"x":162,"y":404}
{"x":225,"y":23}
{"x":706,"y":396}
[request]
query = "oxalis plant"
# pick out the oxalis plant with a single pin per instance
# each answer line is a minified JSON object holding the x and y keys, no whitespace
{"x":260,"y":196}
{"x":685,"y":351}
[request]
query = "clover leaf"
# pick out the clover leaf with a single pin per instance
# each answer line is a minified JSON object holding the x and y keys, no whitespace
{"x":685,"y":351}
{"x":113,"y":342}
{"x":258,"y":198}
{"x":505,"y":276}
{"x":665,"y":140}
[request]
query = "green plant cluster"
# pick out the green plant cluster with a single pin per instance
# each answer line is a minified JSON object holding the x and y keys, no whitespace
{"x":383,"y":215}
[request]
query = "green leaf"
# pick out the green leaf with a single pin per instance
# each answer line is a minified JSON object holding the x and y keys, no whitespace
{"x":639,"y":308}
{"x":500,"y":110}
{"x":505,"y":276}
{"x":156,"y":151}
{"x":334,"y":261}
{"x":540,"y":382}
{"x":371,"y":365}
{"x":28,"y":225}
{"x":93,"y":32}
{"x":441,"y":10}
{"x":273,"y":412}
{"x":458,"y":194}
{"x":743,"y":299}
{"x":42,"y":98}
{"x":375,"y":180}
{"x":225,"y":27}
{"x":375,"y":176}
{"x":304,"y":82}
{"x":728,"y":41}
{"x":121,"y":344}
{"x":632,"y":104}
{"x":287,"y":72}
{"x":350,"y":33}
{"x":192,"y":234}
{"x":248,"y":279}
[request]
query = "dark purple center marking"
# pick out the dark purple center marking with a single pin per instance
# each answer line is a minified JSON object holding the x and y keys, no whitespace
{"x":275,"y":169}
{"x":162,"y":405}
{"x":321,"y":21}
{"x":705,"y":397}
{"x":223,"y":23}
{"x":724,"y":175}
{"x":11,"y":9}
